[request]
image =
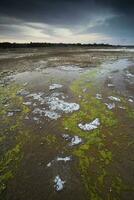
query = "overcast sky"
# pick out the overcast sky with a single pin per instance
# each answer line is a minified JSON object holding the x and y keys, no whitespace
{"x":68,"y":21}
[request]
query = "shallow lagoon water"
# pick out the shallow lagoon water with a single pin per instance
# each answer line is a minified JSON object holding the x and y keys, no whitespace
{"x":58,"y":159}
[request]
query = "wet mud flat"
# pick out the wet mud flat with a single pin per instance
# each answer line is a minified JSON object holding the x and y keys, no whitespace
{"x":66,"y":124}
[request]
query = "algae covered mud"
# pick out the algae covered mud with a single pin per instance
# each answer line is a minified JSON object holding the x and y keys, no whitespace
{"x":66,"y":124}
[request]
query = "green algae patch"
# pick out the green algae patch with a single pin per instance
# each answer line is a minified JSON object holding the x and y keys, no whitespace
{"x":13,"y":134}
{"x":94,"y":152}
{"x":130,"y":112}
{"x":9,"y":164}
{"x":50,"y":140}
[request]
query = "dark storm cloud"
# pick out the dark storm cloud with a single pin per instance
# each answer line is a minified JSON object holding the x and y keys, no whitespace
{"x":62,"y":11}
{"x":110,"y":18}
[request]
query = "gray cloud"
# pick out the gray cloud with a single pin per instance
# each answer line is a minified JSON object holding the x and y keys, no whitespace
{"x":67,"y":20}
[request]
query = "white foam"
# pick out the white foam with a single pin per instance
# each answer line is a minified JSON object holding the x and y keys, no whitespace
{"x":90,"y":126}
{"x":130,"y":100}
{"x":75,"y":140}
{"x":39,"y":111}
{"x":26,"y":117}
{"x":22,"y":92}
{"x":66,"y":136}
{"x":65,"y":159}
{"x":122,"y":107}
{"x":49,"y":164}
{"x":98,"y":96}
{"x":70,"y":68}
{"x":55,"y":86}
{"x":54,"y":104}
{"x":59,"y":184}
{"x":84,"y":90}
{"x":46,"y":113}
{"x":51,"y":114}
{"x":10,"y":114}
{"x":110,"y":105}
{"x":114,"y":98}
{"x":110,"y":77}
{"x":28,"y":103}
{"x":35,"y":118}
{"x":57,"y":104}
{"x":37,"y":96}
{"x":110,"y":85}
{"x":129,"y":75}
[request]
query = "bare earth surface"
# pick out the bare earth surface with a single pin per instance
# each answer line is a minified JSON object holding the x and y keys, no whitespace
{"x":66,"y":124}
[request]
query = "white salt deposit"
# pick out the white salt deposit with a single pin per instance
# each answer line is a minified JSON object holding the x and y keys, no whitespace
{"x":75,"y":140}
{"x":90,"y":126}
{"x":59,"y":184}
{"x":55,"y":86}
{"x":114,"y":98}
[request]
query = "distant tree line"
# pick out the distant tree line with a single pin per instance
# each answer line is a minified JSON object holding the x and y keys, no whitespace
{"x":44,"y":44}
